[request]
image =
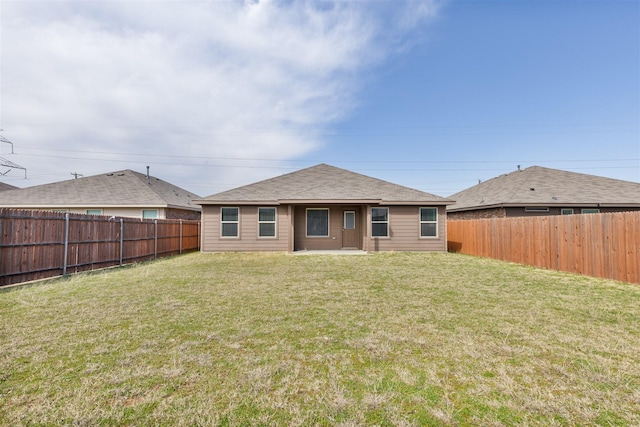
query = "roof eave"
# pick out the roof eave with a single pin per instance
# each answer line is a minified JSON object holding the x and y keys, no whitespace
{"x":204,"y":202}
{"x":330,"y":201}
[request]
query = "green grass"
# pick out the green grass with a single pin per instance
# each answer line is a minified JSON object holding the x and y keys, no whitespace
{"x":273,"y":339}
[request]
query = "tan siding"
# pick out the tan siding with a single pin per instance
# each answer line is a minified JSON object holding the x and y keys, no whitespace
{"x":404,"y":225}
{"x":248,"y":231}
{"x":404,"y":228}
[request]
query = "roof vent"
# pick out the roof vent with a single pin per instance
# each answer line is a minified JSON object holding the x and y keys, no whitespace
{"x":532,"y":189}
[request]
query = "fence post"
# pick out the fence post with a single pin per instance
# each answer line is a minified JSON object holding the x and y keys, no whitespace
{"x":155,"y":239}
{"x":181,"y":236}
{"x":121,"y":239}
{"x":66,"y":244}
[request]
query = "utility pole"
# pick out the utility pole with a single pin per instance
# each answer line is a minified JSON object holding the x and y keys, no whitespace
{"x":76,"y":174}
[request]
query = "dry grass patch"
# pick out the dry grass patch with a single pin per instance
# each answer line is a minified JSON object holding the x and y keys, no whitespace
{"x":271,"y":339}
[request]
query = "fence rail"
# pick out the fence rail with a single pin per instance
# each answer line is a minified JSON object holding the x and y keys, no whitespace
{"x":40,"y":244}
{"x":601,"y":245}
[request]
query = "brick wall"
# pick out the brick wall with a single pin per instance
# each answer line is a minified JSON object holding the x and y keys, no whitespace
{"x":478,"y":214}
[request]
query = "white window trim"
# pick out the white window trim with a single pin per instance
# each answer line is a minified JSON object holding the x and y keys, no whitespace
{"x":306,"y":223}
{"x":388,"y":222}
{"x":589,"y":210}
{"x":100,"y":211}
{"x":569,"y":211}
{"x":237,"y":236}
{"x":274,"y":222}
{"x":428,"y":222}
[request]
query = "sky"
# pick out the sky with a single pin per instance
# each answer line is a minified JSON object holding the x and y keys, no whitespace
{"x":435,"y":95}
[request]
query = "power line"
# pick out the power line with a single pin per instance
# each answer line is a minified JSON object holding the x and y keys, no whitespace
{"x":312,"y":160}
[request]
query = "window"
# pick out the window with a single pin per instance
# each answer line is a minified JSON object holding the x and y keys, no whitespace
{"x":349,"y":220}
{"x":536,"y":209}
{"x":229,"y":220}
{"x":317,"y":222}
{"x":428,"y":222}
{"x":94,"y":211}
{"x":266,"y":222}
{"x":588,"y":211}
{"x":566,"y":211}
{"x":380,"y":222}
{"x":149,"y":213}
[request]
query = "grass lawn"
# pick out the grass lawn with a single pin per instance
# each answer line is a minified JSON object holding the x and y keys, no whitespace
{"x":273,"y":339}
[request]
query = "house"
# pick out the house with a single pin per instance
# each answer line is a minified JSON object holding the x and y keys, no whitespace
{"x":5,"y":187}
{"x":123,"y":193}
{"x":323,"y":208}
{"x":543,"y":191}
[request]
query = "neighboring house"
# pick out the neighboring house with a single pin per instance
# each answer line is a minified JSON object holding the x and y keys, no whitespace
{"x":5,"y":187}
{"x":538,"y":191}
{"x":323,"y":208}
{"x":124,"y":193}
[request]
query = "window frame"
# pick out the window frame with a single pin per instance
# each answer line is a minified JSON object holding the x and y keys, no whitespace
{"x":93,"y":211}
{"x":566,"y":211}
{"x":274,"y":222}
{"x":236,"y":222}
{"x":387,"y":222}
{"x":306,"y":231}
{"x":589,"y":211}
{"x":421,"y":222}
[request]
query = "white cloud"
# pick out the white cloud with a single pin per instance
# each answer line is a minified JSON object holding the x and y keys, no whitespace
{"x":186,"y":82}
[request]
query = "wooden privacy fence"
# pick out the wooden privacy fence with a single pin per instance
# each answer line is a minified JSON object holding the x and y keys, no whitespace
{"x":600,"y":245}
{"x":40,"y":244}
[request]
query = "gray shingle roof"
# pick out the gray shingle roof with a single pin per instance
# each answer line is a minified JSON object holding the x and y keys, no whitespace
{"x":5,"y":187}
{"x":539,"y":186}
{"x":122,"y":188}
{"x":323,"y":183}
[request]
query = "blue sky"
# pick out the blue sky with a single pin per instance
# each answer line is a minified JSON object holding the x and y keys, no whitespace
{"x":213,"y":95}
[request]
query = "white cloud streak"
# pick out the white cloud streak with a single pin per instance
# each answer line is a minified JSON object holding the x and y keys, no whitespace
{"x":206,"y":79}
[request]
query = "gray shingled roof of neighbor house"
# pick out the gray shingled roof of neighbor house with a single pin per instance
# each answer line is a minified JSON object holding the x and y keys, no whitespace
{"x":5,"y":187}
{"x":542,"y":186}
{"x":122,"y":188}
{"x":324,"y":183}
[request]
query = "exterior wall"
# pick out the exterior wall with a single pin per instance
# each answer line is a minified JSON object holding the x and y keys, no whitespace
{"x":248,"y":239}
{"x":478,"y":214}
{"x":182,"y":214}
{"x":108,"y":211}
{"x":336,"y":219}
{"x":520,"y":211}
{"x":404,"y":232}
